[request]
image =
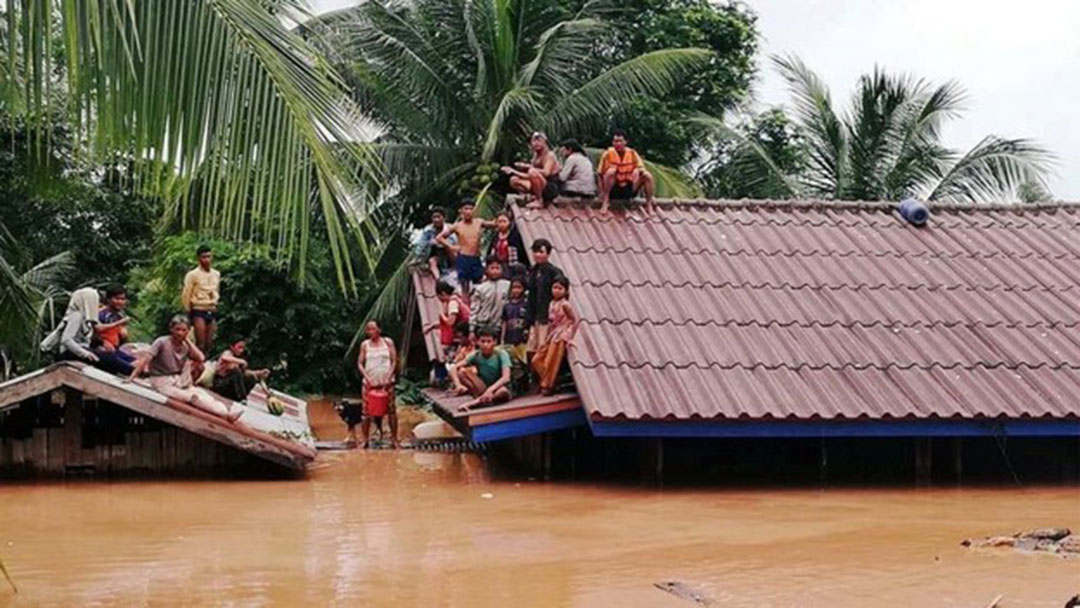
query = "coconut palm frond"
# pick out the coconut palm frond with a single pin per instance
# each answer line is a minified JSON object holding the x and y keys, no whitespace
{"x":825,"y":132}
{"x":995,"y":167}
{"x":755,"y":166}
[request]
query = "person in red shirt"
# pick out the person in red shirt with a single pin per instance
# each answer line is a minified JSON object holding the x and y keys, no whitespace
{"x":623,"y":174}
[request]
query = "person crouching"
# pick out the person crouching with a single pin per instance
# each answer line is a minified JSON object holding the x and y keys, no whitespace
{"x":484,"y":374}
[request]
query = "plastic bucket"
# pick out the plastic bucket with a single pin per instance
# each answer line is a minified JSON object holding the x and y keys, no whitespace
{"x":377,"y":401}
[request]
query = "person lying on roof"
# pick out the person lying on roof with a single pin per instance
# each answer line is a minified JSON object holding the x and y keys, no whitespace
{"x":539,"y":178}
{"x":232,"y":377}
{"x":485,"y":374}
{"x":623,"y":174}
{"x":169,"y":363}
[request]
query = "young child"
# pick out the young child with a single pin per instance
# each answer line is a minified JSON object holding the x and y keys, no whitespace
{"x":514,"y":334}
{"x":453,"y":311}
{"x":464,"y":344}
{"x":562,"y":328}
{"x":467,"y":230}
{"x":487,"y":299}
{"x":507,"y":247}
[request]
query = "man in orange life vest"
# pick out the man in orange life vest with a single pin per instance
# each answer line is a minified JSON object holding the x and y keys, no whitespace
{"x":623,"y":174}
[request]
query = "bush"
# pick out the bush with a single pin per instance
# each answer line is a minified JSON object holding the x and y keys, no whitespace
{"x":302,"y":330}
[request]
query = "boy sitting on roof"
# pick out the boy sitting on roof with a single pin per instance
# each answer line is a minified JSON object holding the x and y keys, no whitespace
{"x":467,"y":230}
{"x":623,"y":174}
{"x":487,"y":299}
{"x":111,"y":331}
{"x":485,"y":374}
{"x":439,"y":258}
{"x":232,"y":378}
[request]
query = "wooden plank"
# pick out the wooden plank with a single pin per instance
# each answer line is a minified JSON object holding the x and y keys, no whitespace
{"x":151,"y":444}
{"x":39,"y":448}
{"x":56,"y":458}
{"x":24,"y":387}
{"x":18,"y":451}
{"x":72,"y":431}
{"x":479,"y":419}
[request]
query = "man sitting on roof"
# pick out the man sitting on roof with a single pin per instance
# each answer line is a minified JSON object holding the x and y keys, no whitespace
{"x":540,"y":176}
{"x":439,"y":258}
{"x":623,"y":174}
{"x":485,"y":374}
{"x":576,"y":175}
{"x":232,"y":377}
{"x":169,"y":363}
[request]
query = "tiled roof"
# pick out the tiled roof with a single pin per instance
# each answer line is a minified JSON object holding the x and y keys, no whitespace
{"x":835,"y":310}
{"x":428,"y":305}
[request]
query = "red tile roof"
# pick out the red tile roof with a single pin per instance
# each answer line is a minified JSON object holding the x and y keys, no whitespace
{"x":834,"y":310}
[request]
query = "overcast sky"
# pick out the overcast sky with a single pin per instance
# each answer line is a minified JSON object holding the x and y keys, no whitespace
{"x":1019,"y":61}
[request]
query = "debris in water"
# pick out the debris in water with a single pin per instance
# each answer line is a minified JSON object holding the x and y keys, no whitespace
{"x":487,"y":495}
{"x":1060,"y":541}
{"x":994,"y":602}
{"x":8,"y":576}
{"x":682,"y":590}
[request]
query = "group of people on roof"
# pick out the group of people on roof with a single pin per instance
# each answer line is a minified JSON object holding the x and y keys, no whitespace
{"x":94,"y":330}
{"x":621,"y":174}
{"x":500,"y":318}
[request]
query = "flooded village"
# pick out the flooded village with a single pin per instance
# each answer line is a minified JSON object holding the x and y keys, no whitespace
{"x":509,"y":304}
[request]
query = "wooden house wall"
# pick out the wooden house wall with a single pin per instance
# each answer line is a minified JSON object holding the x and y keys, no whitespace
{"x":67,"y":433}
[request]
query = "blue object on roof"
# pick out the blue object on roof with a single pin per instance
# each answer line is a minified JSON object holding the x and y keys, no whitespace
{"x":914,"y":211}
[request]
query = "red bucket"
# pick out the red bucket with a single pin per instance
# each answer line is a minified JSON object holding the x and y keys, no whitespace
{"x":377,"y":401}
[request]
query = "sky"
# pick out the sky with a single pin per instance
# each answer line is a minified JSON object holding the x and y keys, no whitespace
{"x":1018,"y":61}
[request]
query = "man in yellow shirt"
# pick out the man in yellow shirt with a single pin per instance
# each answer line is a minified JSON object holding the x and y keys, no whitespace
{"x":200,"y":298}
{"x":623,"y":174}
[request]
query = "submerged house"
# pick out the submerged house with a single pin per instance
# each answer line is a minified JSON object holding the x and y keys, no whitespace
{"x":71,"y":418}
{"x":755,"y":320}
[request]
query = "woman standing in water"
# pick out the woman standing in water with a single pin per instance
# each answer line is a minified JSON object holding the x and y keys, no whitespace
{"x":377,"y":364}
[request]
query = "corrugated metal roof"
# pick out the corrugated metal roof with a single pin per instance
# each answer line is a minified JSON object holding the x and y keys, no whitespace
{"x":834,"y":310}
{"x":428,"y":304}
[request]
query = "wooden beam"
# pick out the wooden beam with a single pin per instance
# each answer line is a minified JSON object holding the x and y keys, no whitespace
{"x":484,"y":417}
{"x":22,"y":388}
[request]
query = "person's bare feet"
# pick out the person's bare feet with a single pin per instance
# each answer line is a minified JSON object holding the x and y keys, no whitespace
{"x":461,"y":390}
{"x":534,"y":204}
{"x":233,"y":414}
{"x":604,"y":210}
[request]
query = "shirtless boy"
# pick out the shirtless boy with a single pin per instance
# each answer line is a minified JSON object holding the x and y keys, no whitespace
{"x":468,"y":230}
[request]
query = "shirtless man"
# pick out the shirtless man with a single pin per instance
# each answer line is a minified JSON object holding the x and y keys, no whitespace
{"x":470,"y":268}
{"x":539,"y":177}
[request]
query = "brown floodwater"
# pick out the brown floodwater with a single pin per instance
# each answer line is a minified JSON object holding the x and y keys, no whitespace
{"x":422,"y":529}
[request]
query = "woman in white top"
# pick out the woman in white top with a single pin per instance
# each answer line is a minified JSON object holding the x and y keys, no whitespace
{"x":577,"y":176}
{"x":377,"y":365}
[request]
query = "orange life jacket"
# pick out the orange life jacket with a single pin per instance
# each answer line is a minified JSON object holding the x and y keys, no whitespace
{"x":624,"y":164}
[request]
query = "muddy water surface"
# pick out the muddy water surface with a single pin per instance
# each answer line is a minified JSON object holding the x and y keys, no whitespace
{"x":415,"y":529}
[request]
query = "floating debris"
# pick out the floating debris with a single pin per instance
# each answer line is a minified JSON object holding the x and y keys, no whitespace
{"x":683,"y":591}
{"x":1060,"y":541}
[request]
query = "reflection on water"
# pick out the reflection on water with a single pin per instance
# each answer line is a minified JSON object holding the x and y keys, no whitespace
{"x":411,"y":529}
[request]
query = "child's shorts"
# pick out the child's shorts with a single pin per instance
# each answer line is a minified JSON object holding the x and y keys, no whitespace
{"x":470,"y":268}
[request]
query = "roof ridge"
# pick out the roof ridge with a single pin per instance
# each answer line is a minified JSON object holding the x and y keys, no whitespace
{"x":837,"y":323}
{"x":789,"y":286}
{"x":810,"y":204}
{"x":829,"y":366}
{"x":823,"y":252}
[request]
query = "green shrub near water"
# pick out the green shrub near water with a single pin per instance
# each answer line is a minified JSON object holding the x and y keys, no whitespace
{"x":302,"y":330}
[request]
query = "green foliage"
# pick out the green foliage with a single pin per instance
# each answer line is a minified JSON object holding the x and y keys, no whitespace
{"x":738,"y":165}
{"x":454,"y":85}
{"x":302,"y":330}
{"x":656,"y":124}
{"x":213,"y":106}
{"x":59,"y":206}
{"x":887,"y":145}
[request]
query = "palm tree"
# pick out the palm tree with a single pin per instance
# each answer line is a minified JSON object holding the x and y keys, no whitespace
{"x":26,"y":297}
{"x":456,"y":87}
{"x":887,"y":146}
{"x":213,"y":105}
{"x":459,"y":84}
